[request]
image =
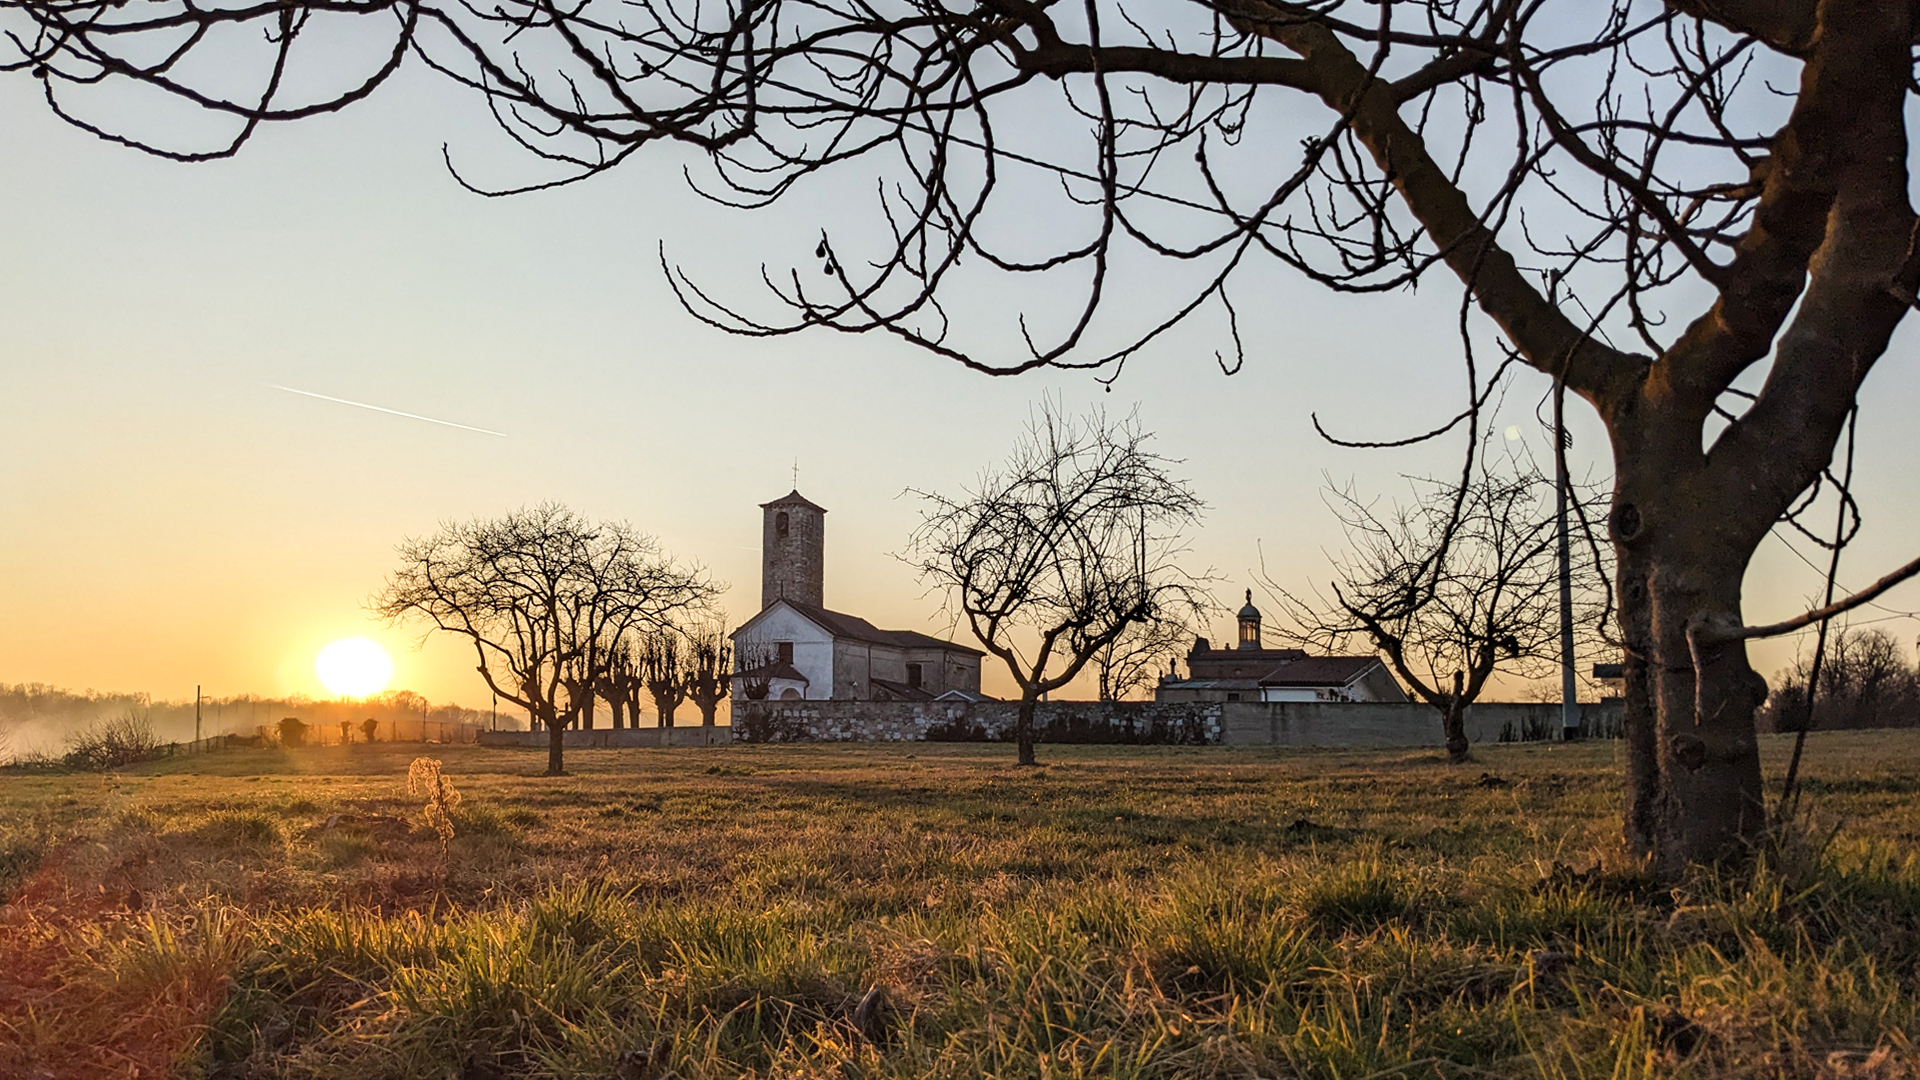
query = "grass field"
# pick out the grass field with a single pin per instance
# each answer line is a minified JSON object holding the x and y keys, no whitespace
{"x":930,"y":910}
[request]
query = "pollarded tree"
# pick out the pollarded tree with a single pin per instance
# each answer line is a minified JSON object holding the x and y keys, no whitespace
{"x":1062,"y":550}
{"x":662,"y":670}
{"x":538,"y":594}
{"x":708,"y":668}
{"x":1454,"y":587}
{"x":1650,"y":201}
{"x":622,"y":683}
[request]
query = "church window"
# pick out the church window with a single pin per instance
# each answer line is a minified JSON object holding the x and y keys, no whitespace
{"x":913,"y":676}
{"x":780,"y":524}
{"x":785,"y":651}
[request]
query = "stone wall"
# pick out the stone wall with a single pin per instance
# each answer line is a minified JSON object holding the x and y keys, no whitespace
{"x":616,"y":737}
{"x":1280,"y":723}
{"x":1317,"y":723}
{"x":958,"y":721}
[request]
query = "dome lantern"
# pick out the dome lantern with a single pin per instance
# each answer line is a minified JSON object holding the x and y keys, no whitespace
{"x":1250,"y":624}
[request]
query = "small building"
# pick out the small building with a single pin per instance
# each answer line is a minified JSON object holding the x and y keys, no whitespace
{"x":796,"y":649}
{"x":1252,"y":672}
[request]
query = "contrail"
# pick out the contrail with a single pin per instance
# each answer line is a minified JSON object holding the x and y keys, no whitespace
{"x":392,"y":412}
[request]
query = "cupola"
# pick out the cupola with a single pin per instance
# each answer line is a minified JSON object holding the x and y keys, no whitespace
{"x":1250,"y":624}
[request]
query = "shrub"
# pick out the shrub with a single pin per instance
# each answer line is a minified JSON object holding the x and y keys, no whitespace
{"x":958,"y":729}
{"x":765,"y":722}
{"x":292,"y":732}
{"x":111,"y":744}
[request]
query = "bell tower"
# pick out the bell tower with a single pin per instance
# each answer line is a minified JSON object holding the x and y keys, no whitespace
{"x":793,"y":551}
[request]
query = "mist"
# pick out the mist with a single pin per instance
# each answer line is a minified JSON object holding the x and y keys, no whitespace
{"x":36,"y":718}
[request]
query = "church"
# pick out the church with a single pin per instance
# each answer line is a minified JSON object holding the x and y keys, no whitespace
{"x":1252,"y":672}
{"x":796,"y":649}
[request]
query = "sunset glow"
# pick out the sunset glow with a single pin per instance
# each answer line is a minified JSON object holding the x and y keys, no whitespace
{"x":354,"y":667}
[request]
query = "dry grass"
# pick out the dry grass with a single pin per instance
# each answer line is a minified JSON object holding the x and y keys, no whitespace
{"x":1121,"y":912}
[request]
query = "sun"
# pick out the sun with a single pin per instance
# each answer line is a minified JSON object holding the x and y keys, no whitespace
{"x":353,"y":667}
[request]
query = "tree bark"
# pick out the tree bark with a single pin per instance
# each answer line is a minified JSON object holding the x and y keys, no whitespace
{"x":556,"y":746}
{"x":1693,"y":763}
{"x":1454,"y":723}
{"x":1023,"y":728}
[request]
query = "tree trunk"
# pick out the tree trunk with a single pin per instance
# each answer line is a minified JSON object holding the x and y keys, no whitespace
{"x":556,"y":746}
{"x":614,"y":707}
{"x":709,"y":710}
{"x":1023,"y":729}
{"x":1693,"y":763}
{"x":1454,"y":722}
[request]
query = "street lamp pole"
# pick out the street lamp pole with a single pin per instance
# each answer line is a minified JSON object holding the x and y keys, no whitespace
{"x":1569,"y":690}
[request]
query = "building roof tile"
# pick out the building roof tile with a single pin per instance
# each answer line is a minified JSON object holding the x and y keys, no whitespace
{"x":793,"y":498}
{"x":1319,"y":671}
{"x":855,"y":628}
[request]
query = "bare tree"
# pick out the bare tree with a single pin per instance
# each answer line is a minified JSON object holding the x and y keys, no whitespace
{"x":1865,"y":681}
{"x":1651,"y":202}
{"x":622,"y":682}
{"x":539,"y":593}
{"x":663,"y":670}
{"x":1459,"y":585}
{"x":708,"y":673}
{"x":1067,"y":546}
{"x":753,"y":666}
{"x":1133,"y":662}
{"x":582,"y":689}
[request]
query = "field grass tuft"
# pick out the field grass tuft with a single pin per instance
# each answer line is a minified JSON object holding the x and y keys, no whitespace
{"x":233,"y":828}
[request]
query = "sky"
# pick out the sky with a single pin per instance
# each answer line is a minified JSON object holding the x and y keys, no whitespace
{"x":172,"y":516}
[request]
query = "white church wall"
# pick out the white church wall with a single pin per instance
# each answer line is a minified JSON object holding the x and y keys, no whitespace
{"x":812,"y":646}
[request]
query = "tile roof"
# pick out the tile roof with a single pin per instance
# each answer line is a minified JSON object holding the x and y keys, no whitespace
{"x":855,"y":628}
{"x":1319,"y":671}
{"x":1238,"y":663}
{"x":793,"y":498}
{"x":779,"y":669}
{"x":900,"y":691}
{"x":958,"y":694}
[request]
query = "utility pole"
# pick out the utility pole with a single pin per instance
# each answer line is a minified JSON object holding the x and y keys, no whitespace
{"x":1569,"y":690}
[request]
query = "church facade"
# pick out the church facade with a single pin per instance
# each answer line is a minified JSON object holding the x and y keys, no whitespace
{"x":797,"y":649}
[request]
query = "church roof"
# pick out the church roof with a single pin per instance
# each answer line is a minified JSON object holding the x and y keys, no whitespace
{"x":793,"y":498}
{"x":1319,"y":671}
{"x":778,"y":669}
{"x":855,"y":628}
{"x":899,"y":691}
